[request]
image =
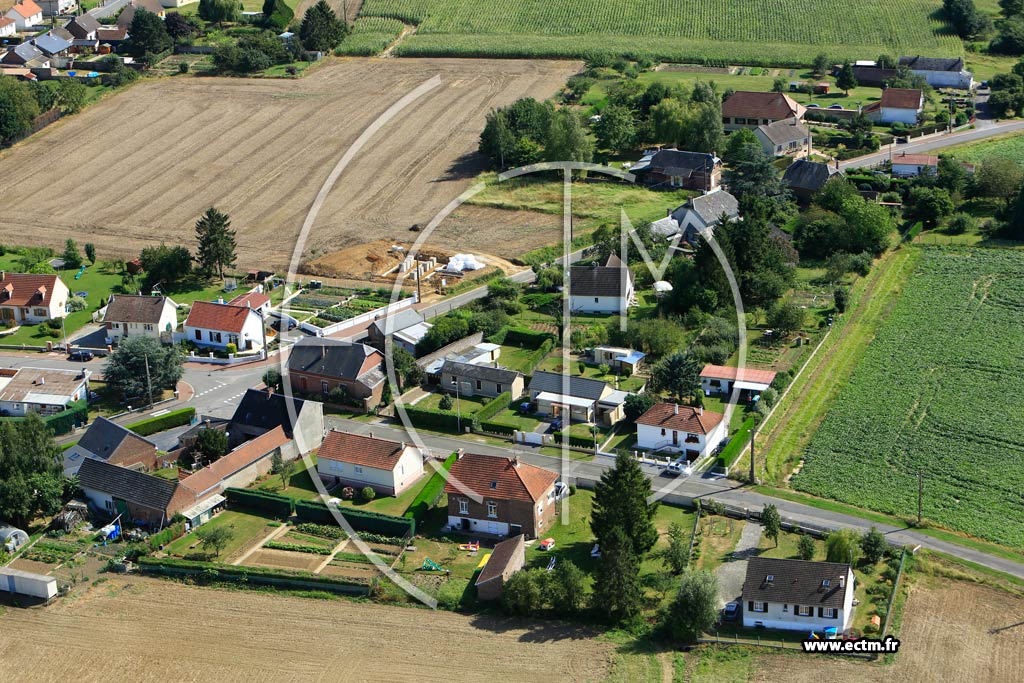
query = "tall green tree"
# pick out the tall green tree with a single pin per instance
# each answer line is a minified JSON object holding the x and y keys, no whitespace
{"x":772,"y":522}
{"x":846,"y":79}
{"x":821,"y":64}
{"x":616,"y":131}
{"x":126,"y":368}
{"x":277,"y":13}
{"x":695,"y":607}
{"x":566,"y":139}
{"x":30,"y":470}
{"x":216,"y":242}
{"x":219,"y":11}
{"x":873,"y":545}
{"x":842,"y":546}
{"x":321,"y":29}
{"x":90,"y":252}
{"x":620,"y":502}
{"x":147,"y":34}
{"x":999,"y":177}
{"x":805,"y":547}
{"x":18,"y":106}
{"x":165,"y":265}
{"x":71,"y":95}
{"x":617,"y":591}
{"x":678,"y":374}
{"x":676,"y":554}
{"x":71,"y":256}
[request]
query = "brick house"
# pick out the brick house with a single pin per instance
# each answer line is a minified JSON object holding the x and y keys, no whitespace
{"x":506,"y":559}
{"x":112,"y":443}
{"x":499,"y":496}
{"x":318,"y":365}
{"x":113,"y":491}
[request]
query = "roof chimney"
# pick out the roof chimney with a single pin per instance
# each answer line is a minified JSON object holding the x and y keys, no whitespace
{"x":700,"y":410}
{"x":515,"y":461}
{"x":842,"y":581}
{"x":675,"y":408}
{"x":42,"y":381}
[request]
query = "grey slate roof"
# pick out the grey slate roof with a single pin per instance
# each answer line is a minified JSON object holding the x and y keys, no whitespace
{"x":784,"y":131}
{"x":82,"y":25}
{"x":795,"y":582}
{"x":27,"y":51}
{"x":918,"y":63}
{"x":329,"y":357}
{"x":51,"y":44}
{"x":257,"y":409}
{"x":580,"y":387}
{"x":481,"y":372}
{"x":808,"y":175}
{"x":126,"y":308}
{"x":103,"y":437}
{"x":128,"y":485}
{"x":405,"y":318}
{"x":596,"y":280}
{"x":711,"y":206}
{"x":679,"y":162}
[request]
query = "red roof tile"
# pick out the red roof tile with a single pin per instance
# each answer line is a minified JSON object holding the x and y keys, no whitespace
{"x":250,"y":300}
{"x":680,"y":418}
{"x":20,"y":289}
{"x":744,"y":375}
{"x":222,"y":317}
{"x":499,"y":478}
{"x":27,"y":9}
{"x":251,"y":451}
{"x":916,"y":159}
{"x":357,"y":449}
{"x":902,"y":98}
{"x":761,"y":105}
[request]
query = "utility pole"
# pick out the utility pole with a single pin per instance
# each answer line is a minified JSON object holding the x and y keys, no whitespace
{"x":149,"y":382}
{"x":920,"y":494}
{"x":753,"y":433}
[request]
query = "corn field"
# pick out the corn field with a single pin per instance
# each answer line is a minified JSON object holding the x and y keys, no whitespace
{"x":741,"y":31}
{"x":370,"y":36}
{"x":938,"y":391}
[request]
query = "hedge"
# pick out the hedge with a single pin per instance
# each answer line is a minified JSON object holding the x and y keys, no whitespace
{"x":152,"y":425}
{"x":497,"y":427}
{"x":913,"y":232}
{"x":542,"y":351}
{"x":494,"y":406}
{"x":65,"y":421}
{"x":525,"y":337}
{"x":731,"y":453}
{"x":432,"y":418}
{"x":577,"y":441}
{"x":157,"y":541}
{"x":280,"y":578}
{"x":274,"y":504}
{"x":361,"y":520}
{"x":430,"y":493}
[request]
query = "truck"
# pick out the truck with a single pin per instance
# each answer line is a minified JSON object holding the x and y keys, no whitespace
{"x":26,"y":583}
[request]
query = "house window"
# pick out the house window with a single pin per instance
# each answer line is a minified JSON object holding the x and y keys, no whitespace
{"x":663,"y":431}
{"x":323,"y":387}
{"x":41,"y":312}
{"x":463,"y":506}
{"x":760,"y":606}
{"x":829,"y":612}
{"x":540,"y":509}
{"x":358,"y":469}
{"x":497,"y":388}
{"x":109,"y":504}
{"x":803,"y":611}
{"x":479,"y":385}
{"x":595,"y":299}
{"x":492,"y":509}
{"x":199,"y":335}
{"x":147,"y":327}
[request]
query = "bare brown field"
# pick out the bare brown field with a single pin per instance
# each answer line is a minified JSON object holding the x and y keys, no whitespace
{"x":148,"y":161}
{"x":286,"y":559}
{"x":147,"y":630}
{"x":946,"y":636}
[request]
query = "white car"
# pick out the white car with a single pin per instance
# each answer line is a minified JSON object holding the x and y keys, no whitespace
{"x":679,"y":467}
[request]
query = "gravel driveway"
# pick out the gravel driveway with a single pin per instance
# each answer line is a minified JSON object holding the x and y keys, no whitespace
{"x":732,"y":573}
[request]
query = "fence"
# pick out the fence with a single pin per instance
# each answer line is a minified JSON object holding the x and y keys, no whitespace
{"x":38,"y":123}
{"x":362,"y":318}
{"x":892,"y":596}
{"x":693,"y":534}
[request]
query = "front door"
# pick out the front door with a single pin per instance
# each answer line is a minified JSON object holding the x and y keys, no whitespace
{"x":465,"y":524}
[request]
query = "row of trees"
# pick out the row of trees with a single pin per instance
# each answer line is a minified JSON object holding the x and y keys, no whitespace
{"x":31,"y":476}
{"x":21,"y":102}
{"x":168,"y":266}
{"x":528,"y":132}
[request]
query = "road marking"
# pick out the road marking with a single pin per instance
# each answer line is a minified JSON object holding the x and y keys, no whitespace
{"x":159,"y":413}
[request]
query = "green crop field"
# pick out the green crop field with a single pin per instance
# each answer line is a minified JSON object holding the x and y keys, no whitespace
{"x":370,"y":36}
{"x":1010,"y":146}
{"x":787,"y":32}
{"x":937,"y":391}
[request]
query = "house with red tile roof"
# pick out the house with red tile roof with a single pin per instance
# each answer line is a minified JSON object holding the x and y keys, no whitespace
{"x":388,"y":467}
{"x":8,"y":27}
{"x":746,"y":109}
{"x":898,"y":105}
{"x":499,"y":496}
{"x":26,"y":14}
{"x":257,"y":301}
{"x":907,"y":165}
{"x":215,"y":325}
{"x":28,"y":298}
{"x":689,"y":431}
{"x":721,"y":379}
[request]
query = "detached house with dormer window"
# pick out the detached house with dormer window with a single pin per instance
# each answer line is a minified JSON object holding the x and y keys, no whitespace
{"x":499,"y":496}
{"x":797,"y":595}
{"x":133,"y":315}
{"x":27,"y":299}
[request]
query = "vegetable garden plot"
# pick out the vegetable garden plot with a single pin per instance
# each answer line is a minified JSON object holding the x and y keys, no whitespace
{"x":938,"y":391}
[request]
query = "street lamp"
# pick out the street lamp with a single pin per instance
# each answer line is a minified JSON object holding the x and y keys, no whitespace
{"x":458,"y":404}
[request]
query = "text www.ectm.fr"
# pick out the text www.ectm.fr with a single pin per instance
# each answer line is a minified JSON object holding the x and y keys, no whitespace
{"x":869,"y":645}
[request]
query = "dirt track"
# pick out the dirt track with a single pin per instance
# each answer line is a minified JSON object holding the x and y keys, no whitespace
{"x":139,"y":167}
{"x":162,"y":631}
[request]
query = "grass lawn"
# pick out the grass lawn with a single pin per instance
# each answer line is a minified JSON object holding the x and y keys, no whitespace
{"x":466,"y":404}
{"x":168,"y":473}
{"x":787,"y":548}
{"x":515,"y":358}
{"x":246,"y":528}
{"x":717,"y":404}
{"x":513,"y":418}
{"x":300,"y":486}
{"x":553,"y":363}
{"x":718,"y":537}
{"x":390,"y":505}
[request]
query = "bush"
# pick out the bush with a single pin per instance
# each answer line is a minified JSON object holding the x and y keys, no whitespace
{"x":322,"y":530}
{"x":367,"y":494}
{"x":183,"y":67}
{"x":231,"y":348}
{"x":361,"y":520}
{"x":348,"y":493}
{"x":298,"y":548}
{"x":175,"y":418}
{"x":272,"y":503}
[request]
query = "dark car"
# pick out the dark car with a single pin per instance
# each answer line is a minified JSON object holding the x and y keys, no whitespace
{"x":80,"y":356}
{"x":836,"y":106}
{"x":276,"y":324}
{"x":731,"y":611}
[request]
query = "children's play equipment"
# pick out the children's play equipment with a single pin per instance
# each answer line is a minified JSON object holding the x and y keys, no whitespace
{"x":430,"y":566}
{"x":547,"y":544}
{"x":472,"y":547}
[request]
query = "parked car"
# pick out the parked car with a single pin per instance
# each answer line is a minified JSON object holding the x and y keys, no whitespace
{"x":813,"y":106}
{"x":556,"y":424}
{"x":80,"y":356}
{"x":276,"y":325}
{"x":836,"y":106}
{"x":731,"y":611}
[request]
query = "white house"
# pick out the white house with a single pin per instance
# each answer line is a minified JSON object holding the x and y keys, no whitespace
{"x":26,"y":14}
{"x":579,"y":399}
{"x":788,"y":137}
{"x":898,"y":105}
{"x":697,"y":215}
{"x":216,"y":325}
{"x":46,"y":391}
{"x":256,"y":300}
{"x":689,"y":431}
{"x":8,"y":27}
{"x":621,"y":360}
{"x":908,"y":165}
{"x":52,"y":8}
{"x":132,"y":315}
{"x":601,"y":289}
{"x":27,"y":298}
{"x":721,"y":379}
{"x":940,"y":72}
{"x":797,"y":595}
{"x":359,"y":461}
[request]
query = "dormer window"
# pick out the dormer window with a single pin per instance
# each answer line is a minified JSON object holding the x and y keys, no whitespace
{"x":494,"y":484}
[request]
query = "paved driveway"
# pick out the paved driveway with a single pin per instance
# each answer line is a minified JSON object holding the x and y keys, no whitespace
{"x":732,"y":573}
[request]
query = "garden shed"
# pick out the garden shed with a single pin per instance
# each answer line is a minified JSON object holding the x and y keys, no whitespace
{"x":12,"y":538}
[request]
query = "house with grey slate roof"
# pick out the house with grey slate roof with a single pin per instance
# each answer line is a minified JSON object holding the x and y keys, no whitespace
{"x":807,"y":178}
{"x":604,"y":288}
{"x":473,"y":379}
{"x":798,"y":595}
{"x":697,"y":215}
{"x":788,"y":137}
{"x":940,"y":72}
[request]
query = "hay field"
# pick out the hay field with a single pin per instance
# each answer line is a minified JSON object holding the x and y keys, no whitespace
{"x":139,"y":167}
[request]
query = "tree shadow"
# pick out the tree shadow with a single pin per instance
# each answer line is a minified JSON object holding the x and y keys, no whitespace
{"x":468,"y":165}
{"x":537,"y":631}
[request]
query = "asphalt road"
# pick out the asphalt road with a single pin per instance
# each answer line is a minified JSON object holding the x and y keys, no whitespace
{"x":108,"y":9}
{"x":985,"y":129}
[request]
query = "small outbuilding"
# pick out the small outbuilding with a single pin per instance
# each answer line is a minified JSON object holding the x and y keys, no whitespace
{"x":12,"y":538}
{"x":506,"y":559}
